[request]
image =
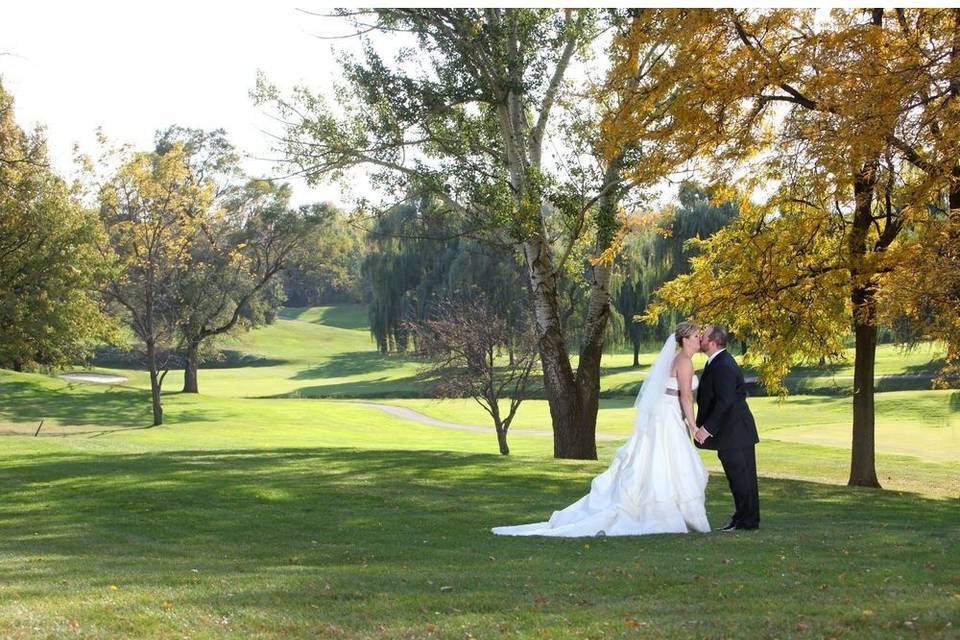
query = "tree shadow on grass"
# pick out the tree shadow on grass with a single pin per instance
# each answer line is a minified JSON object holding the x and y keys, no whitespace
{"x":234,"y":494}
{"x":78,"y":404}
{"x":353,"y":363}
{"x":112,"y":358}
{"x":342,"y":316}
{"x":933,"y":367}
{"x":409,"y":387}
{"x":356,"y":535}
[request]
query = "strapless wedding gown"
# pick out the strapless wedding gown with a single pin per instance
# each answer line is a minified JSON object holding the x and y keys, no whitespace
{"x":655,"y":484}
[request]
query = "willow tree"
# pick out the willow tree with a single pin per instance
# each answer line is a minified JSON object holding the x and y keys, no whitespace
{"x":662,"y":253}
{"x":830,"y":103}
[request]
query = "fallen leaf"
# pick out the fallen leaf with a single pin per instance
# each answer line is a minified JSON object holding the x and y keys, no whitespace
{"x":431,"y":628}
{"x":166,"y":605}
{"x":634,"y":624}
{"x":802,"y":627}
{"x":868,"y":612}
{"x":446,"y":589}
{"x":113,"y":587}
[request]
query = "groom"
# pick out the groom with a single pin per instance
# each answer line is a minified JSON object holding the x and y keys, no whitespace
{"x":724,"y":423}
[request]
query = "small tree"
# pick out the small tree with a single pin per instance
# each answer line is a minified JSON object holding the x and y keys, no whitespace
{"x":466,"y":342}
{"x":144,"y":211}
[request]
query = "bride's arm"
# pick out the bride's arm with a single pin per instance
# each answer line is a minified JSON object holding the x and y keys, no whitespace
{"x":685,"y":383}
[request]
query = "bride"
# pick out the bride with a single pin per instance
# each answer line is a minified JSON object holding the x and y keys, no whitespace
{"x":656,"y":481}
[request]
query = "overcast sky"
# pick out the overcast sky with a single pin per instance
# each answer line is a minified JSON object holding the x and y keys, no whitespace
{"x":135,"y":67}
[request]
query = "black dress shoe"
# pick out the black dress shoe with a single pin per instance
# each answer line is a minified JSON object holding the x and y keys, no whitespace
{"x":739,"y":527}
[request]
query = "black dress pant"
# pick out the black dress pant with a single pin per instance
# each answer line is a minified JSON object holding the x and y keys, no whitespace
{"x":740,"y":466}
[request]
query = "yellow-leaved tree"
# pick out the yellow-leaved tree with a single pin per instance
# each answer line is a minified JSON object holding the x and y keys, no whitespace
{"x":145,"y":210}
{"x":849,"y":124}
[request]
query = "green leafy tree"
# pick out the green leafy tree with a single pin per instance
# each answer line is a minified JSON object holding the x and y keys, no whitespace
{"x":234,"y":256}
{"x":326,"y":267}
{"x":467,"y":126}
{"x":50,"y":263}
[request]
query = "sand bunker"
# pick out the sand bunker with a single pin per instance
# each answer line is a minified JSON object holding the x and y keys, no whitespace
{"x":99,"y":378}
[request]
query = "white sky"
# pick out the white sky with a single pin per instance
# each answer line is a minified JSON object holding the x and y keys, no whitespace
{"x":135,"y":67}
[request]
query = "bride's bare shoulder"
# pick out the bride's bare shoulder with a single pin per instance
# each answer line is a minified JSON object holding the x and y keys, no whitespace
{"x":682,"y":365}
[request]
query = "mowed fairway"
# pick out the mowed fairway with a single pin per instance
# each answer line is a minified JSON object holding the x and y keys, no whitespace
{"x":257,"y":513}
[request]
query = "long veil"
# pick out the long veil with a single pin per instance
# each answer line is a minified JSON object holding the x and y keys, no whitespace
{"x":654,"y":385}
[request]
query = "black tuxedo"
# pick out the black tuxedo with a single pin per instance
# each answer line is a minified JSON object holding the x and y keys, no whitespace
{"x":722,"y":410}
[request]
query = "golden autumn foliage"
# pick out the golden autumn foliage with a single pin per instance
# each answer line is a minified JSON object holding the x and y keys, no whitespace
{"x":847,"y":128}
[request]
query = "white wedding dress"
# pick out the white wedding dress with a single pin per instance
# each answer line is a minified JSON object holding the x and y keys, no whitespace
{"x":655,"y":483}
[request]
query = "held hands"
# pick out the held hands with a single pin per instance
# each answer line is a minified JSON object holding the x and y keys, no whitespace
{"x":701,"y":435}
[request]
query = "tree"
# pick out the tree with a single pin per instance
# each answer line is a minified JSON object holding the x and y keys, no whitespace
{"x":412,"y":250}
{"x":50,"y":265}
{"x":466,"y":341}
{"x":419,"y":257}
{"x":235,"y":254}
{"x":800,"y":269}
{"x":145,"y":210}
{"x":326,"y":267}
{"x":468,"y":128}
{"x":926,"y":291}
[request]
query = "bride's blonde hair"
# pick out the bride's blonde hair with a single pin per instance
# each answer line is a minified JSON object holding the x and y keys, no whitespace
{"x":685,"y":329}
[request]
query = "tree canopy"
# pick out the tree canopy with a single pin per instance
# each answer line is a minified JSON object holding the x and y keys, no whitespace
{"x":50,"y":262}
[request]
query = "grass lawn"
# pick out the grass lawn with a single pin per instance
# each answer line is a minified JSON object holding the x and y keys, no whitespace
{"x":266,"y":541}
{"x":925,"y":424}
{"x":253,"y":513}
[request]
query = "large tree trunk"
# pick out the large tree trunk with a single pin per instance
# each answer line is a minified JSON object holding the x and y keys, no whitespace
{"x":863,"y":471}
{"x":558,"y":379}
{"x":598,"y":310}
{"x":154,"y":385}
{"x":190,"y":367}
{"x":591,"y":351}
{"x":636,"y":354}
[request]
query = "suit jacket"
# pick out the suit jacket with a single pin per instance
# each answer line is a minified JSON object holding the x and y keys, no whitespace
{"x":722,"y":406}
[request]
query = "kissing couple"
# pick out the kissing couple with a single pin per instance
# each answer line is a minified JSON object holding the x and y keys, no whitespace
{"x":656,"y":481}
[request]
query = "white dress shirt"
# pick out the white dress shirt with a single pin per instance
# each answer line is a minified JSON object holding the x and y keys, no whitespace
{"x":715,"y":354}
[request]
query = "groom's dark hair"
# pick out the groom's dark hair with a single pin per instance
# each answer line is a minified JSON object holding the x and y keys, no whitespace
{"x":718,"y":335}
